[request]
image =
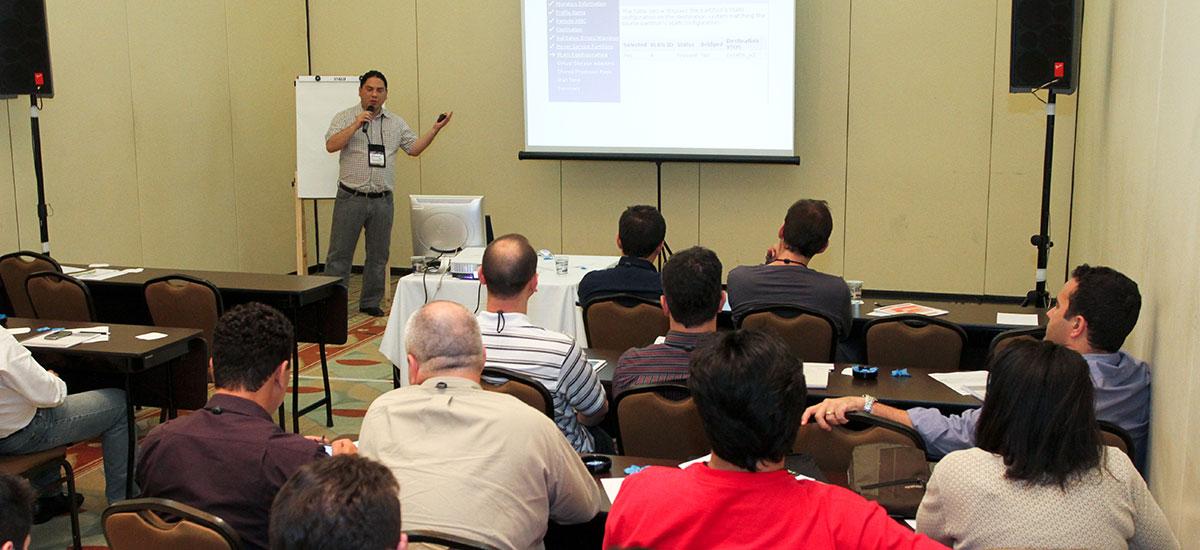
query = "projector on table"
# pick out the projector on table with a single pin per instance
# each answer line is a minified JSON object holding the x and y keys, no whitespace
{"x":466,"y":264}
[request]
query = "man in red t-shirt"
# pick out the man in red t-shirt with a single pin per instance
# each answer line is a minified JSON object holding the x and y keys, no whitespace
{"x":750,"y":394}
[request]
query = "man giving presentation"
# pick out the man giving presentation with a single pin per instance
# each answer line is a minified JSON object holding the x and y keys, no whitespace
{"x":367,"y":137}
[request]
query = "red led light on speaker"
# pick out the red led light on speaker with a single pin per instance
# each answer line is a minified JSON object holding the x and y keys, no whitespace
{"x":39,"y":79}
{"x":1059,"y":69}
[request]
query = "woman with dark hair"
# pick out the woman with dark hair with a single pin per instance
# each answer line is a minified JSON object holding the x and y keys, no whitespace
{"x":1040,"y":476}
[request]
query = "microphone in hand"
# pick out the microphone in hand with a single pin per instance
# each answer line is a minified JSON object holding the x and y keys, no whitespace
{"x":370,"y":109}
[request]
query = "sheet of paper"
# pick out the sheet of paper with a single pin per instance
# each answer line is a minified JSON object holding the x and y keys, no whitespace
{"x":972,"y":382}
{"x":61,"y":339}
{"x":69,"y":269}
{"x":597,"y":364}
{"x":911,"y":523}
{"x":704,"y":458}
{"x":907,"y":308}
{"x":98,"y":274}
{"x":1019,"y":319}
{"x":18,"y":330}
{"x":612,"y":486}
{"x":816,"y":375}
{"x":151,"y":336}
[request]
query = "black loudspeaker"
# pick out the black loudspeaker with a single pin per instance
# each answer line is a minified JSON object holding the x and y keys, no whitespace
{"x":1045,"y":45}
{"x":24,"y":48}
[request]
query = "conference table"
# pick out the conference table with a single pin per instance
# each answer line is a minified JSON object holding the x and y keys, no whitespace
{"x":125,"y":354}
{"x":315,"y":304}
{"x":553,"y":306}
{"x":917,"y":390}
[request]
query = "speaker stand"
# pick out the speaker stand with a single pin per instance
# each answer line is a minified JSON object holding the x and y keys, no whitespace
{"x":1038,"y":297}
{"x":43,"y":211}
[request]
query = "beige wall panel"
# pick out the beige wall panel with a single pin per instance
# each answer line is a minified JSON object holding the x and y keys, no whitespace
{"x":350,"y":39}
{"x":917,"y":169}
{"x":1136,"y":207}
{"x":742,"y":206}
{"x":594,"y":196}
{"x":471,"y":64}
{"x":182,"y":124}
{"x":267,"y":51}
{"x":9,"y":209}
{"x":87,"y":136}
{"x":24,"y":181}
{"x":681,"y":204}
{"x":1015,"y":193}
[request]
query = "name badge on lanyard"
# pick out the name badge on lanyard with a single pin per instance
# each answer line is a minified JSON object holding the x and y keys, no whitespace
{"x":376,"y":156}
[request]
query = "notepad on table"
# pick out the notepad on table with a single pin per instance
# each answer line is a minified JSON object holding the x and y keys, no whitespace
{"x":1018,"y":319}
{"x":907,"y":308}
{"x":972,"y":382}
{"x":816,"y":375}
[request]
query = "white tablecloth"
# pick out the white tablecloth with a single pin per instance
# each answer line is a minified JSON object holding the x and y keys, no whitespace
{"x":552,"y":306}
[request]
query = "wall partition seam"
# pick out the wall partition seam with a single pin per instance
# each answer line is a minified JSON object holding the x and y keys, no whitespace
{"x":13,"y":167}
{"x":846,"y":149}
{"x":137,"y":178}
{"x":233,"y":165}
{"x":987,"y":204}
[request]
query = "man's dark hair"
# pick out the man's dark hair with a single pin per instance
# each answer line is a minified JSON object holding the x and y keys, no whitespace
{"x":1039,"y":414}
{"x":641,"y":229}
{"x":362,"y":80}
{"x":509,"y":263}
{"x":248,"y":344}
{"x":345,"y":502}
{"x":1109,"y":301}
{"x":692,"y":285}
{"x":16,"y":509}
{"x":807,"y":227}
{"x":750,"y":392}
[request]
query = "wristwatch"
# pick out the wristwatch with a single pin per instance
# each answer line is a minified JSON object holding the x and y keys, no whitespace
{"x":868,"y":403}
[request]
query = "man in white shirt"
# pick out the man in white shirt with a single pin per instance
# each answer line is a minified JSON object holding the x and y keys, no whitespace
{"x":36,"y":414}
{"x":555,"y":360}
{"x":472,"y":463}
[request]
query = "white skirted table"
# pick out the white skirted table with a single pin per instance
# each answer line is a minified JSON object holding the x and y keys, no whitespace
{"x":552,"y":306}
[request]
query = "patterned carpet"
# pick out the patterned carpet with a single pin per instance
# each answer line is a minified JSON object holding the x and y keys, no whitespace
{"x":358,"y":374}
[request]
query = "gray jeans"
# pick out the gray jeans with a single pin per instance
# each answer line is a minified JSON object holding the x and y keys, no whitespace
{"x":81,"y":417}
{"x":351,"y":214}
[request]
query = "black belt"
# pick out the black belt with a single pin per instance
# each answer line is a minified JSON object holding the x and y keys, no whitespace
{"x":358,"y":193}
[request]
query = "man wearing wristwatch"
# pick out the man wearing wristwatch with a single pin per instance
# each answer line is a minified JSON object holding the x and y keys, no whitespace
{"x":1092,"y":315}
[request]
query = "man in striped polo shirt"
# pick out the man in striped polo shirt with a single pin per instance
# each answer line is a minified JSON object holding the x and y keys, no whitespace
{"x":513,"y":342}
{"x":692,"y":297}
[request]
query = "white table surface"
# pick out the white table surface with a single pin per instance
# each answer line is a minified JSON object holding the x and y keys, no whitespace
{"x":552,"y":306}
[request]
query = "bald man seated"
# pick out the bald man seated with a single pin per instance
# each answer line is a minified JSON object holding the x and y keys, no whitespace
{"x":515,"y":343}
{"x":472,"y":463}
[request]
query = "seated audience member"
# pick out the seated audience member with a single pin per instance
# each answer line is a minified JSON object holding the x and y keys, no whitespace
{"x":692,"y":297}
{"x":345,"y":503}
{"x":472,"y":463}
{"x":513,"y":342}
{"x":750,"y":394}
{"x":785,"y":279}
{"x":1092,"y":315}
{"x":16,"y":512}
{"x":1040,"y":476}
{"x":640,"y":235}
{"x":229,"y":458}
{"x":36,"y":414}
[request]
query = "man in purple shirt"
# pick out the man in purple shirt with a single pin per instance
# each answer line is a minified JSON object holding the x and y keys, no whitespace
{"x":229,"y":458}
{"x":692,"y":297}
{"x":1092,"y":315}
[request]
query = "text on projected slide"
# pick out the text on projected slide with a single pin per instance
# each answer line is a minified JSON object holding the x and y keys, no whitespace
{"x":660,"y":76}
{"x":583,"y":35}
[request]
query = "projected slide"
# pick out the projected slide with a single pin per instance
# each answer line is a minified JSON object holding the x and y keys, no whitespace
{"x":707,"y":77}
